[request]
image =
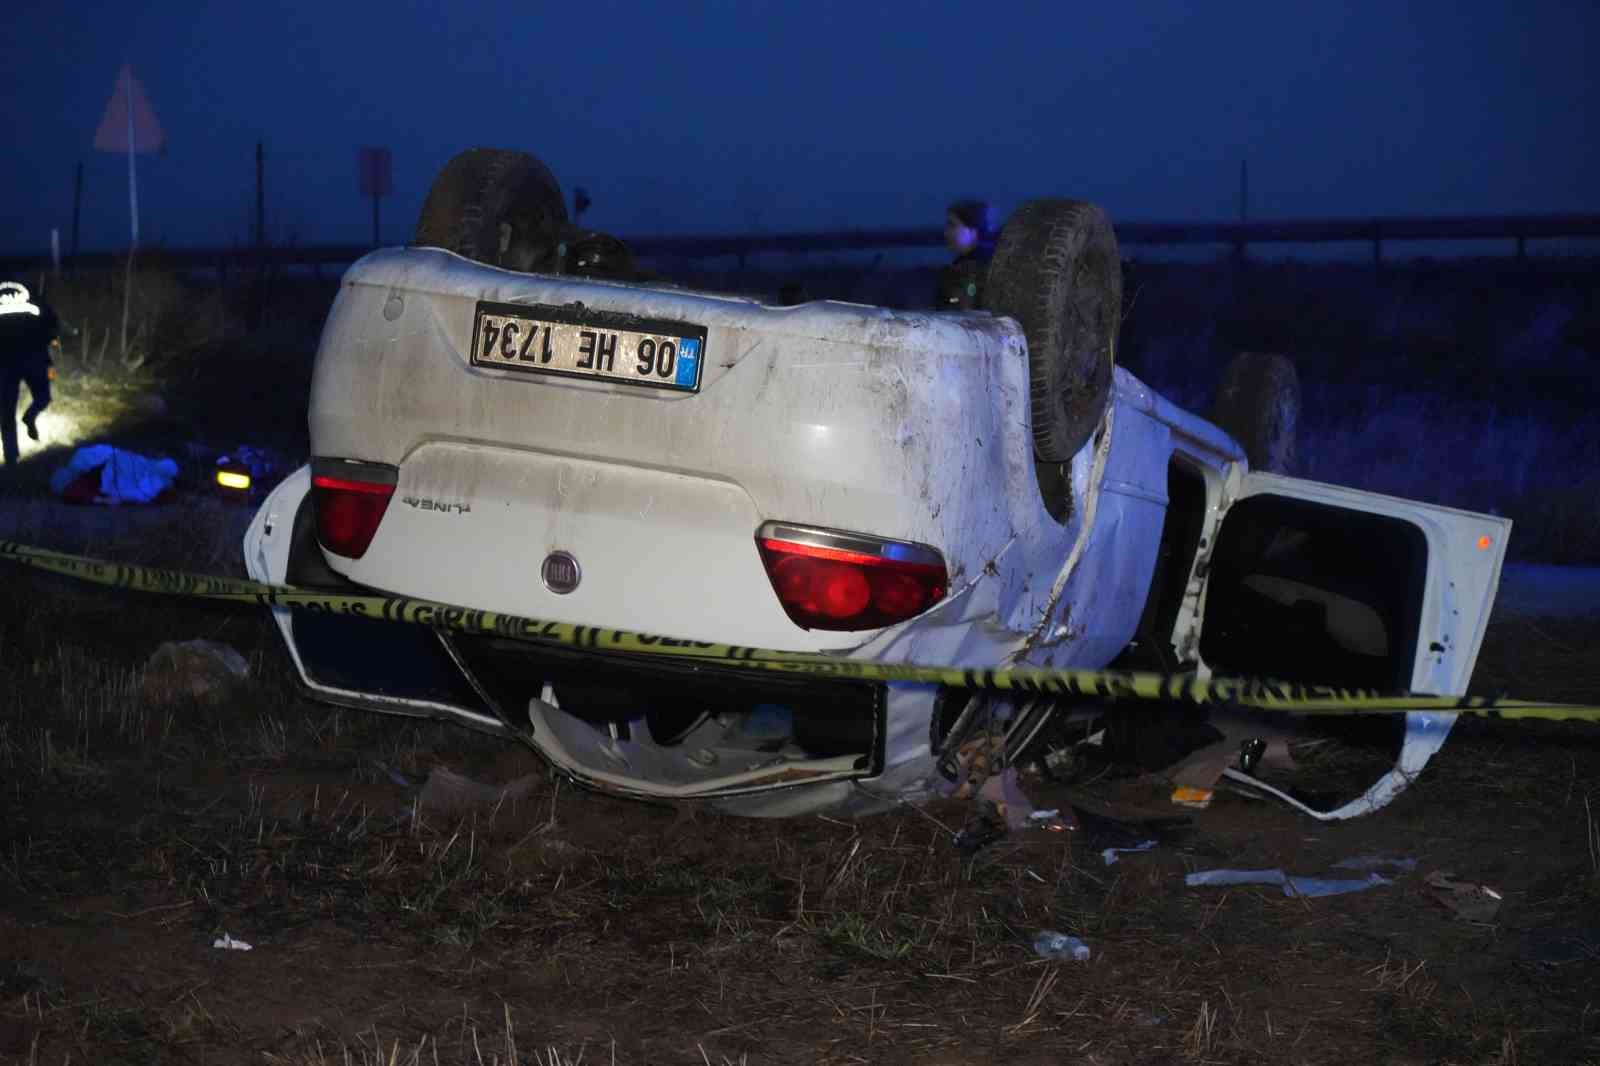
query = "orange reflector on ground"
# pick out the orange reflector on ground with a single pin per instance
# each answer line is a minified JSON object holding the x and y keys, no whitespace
{"x":233,"y":479}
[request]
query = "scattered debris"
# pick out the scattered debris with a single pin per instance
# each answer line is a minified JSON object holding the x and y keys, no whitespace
{"x":199,"y":669}
{"x":1292,"y":886}
{"x":448,"y":790}
{"x":1472,"y":903}
{"x":975,"y":761}
{"x":986,"y":826}
{"x":1053,"y":821}
{"x":1425,"y":734}
{"x":1050,"y":944}
{"x":101,"y":474}
{"x":1246,"y":741}
{"x":228,"y":943}
{"x":262,"y":463}
{"x":1110,"y":854}
{"x":1005,"y":793}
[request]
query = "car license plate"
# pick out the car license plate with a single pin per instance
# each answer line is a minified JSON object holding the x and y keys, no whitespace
{"x":578,"y":342}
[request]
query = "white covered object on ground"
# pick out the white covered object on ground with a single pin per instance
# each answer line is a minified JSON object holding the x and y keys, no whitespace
{"x":125,"y":477}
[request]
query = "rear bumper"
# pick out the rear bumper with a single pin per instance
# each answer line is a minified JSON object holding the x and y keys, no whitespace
{"x":619,"y":723}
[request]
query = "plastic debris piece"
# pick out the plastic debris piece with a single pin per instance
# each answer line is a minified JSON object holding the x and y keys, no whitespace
{"x":1376,"y":862}
{"x":1110,"y":854}
{"x":1472,"y":903}
{"x":1042,"y":816}
{"x":1292,"y":886}
{"x":1050,"y":944}
{"x":1331,"y":886}
{"x":228,"y":943}
{"x":1198,"y":798}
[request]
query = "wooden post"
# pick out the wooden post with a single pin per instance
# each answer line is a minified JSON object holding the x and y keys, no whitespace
{"x":1244,"y":208}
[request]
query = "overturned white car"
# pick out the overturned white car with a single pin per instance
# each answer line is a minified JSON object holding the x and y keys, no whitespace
{"x":495,"y":426}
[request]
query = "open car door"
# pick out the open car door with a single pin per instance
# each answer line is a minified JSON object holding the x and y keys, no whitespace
{"x":1321,"y":584}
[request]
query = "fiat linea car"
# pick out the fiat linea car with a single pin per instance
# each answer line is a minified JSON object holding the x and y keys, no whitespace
{"x":508,"y":416}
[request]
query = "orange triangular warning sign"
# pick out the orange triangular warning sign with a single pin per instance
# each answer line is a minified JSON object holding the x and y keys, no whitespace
{"x":116,"y":132}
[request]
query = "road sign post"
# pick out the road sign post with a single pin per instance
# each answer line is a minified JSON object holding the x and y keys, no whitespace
{"x":129,"y":125}
{"x":375,"y":166}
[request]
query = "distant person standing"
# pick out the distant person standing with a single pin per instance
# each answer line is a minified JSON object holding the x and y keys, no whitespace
{"x":28,"y":326}
{"x":969,"y":234}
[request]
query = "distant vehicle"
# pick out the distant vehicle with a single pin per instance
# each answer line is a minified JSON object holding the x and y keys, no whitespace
{"x":969,"y":489}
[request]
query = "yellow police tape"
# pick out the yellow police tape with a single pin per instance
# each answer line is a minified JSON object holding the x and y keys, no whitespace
{"x":1093,"y":684}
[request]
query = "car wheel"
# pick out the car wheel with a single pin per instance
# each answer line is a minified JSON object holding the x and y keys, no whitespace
{"x":1258,"y":405}
{"x":494,"y":206}
{"x":1056,"y":270}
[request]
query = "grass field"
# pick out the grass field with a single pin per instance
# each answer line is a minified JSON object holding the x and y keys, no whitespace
{"x":138,"y":825}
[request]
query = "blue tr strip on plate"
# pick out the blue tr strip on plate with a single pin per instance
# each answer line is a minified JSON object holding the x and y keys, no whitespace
{"x":688,"y":361}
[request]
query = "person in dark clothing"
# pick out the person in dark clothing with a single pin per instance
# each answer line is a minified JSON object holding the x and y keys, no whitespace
{"x":28,"y":326}
{"x":969,"y":234}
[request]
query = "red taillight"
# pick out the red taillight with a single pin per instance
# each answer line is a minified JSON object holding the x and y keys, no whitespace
{"x":348,"y":512}
{"x":828,"y":580}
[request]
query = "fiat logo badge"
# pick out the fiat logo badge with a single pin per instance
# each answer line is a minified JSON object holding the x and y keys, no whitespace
{"x":560,"y":573}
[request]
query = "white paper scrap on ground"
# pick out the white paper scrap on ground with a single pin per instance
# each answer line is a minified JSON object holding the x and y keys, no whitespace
{"x":227,"y":943}
{"x":1292,"y":886}
{"x":1110,"y":854}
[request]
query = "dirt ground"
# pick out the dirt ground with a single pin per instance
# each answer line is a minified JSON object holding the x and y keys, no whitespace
{"x":138,"y":827}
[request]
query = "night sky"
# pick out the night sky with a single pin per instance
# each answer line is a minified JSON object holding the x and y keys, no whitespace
{"x":748,"y":116}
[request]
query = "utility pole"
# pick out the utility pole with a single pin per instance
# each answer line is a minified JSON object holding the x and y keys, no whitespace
{"x":261,"y":234}
{"x":1244,"y":209}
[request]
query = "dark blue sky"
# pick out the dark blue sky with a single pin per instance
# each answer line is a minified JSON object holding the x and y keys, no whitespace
{"x":732,"y":116}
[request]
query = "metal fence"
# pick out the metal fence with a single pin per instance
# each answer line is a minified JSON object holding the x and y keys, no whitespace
{"x":1518,"y":229}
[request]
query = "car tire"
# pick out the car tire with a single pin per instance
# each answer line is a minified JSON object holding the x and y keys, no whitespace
{"x":494,"y":206}
{"x":1258,"y":405}
{"x":1057,"y":271}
